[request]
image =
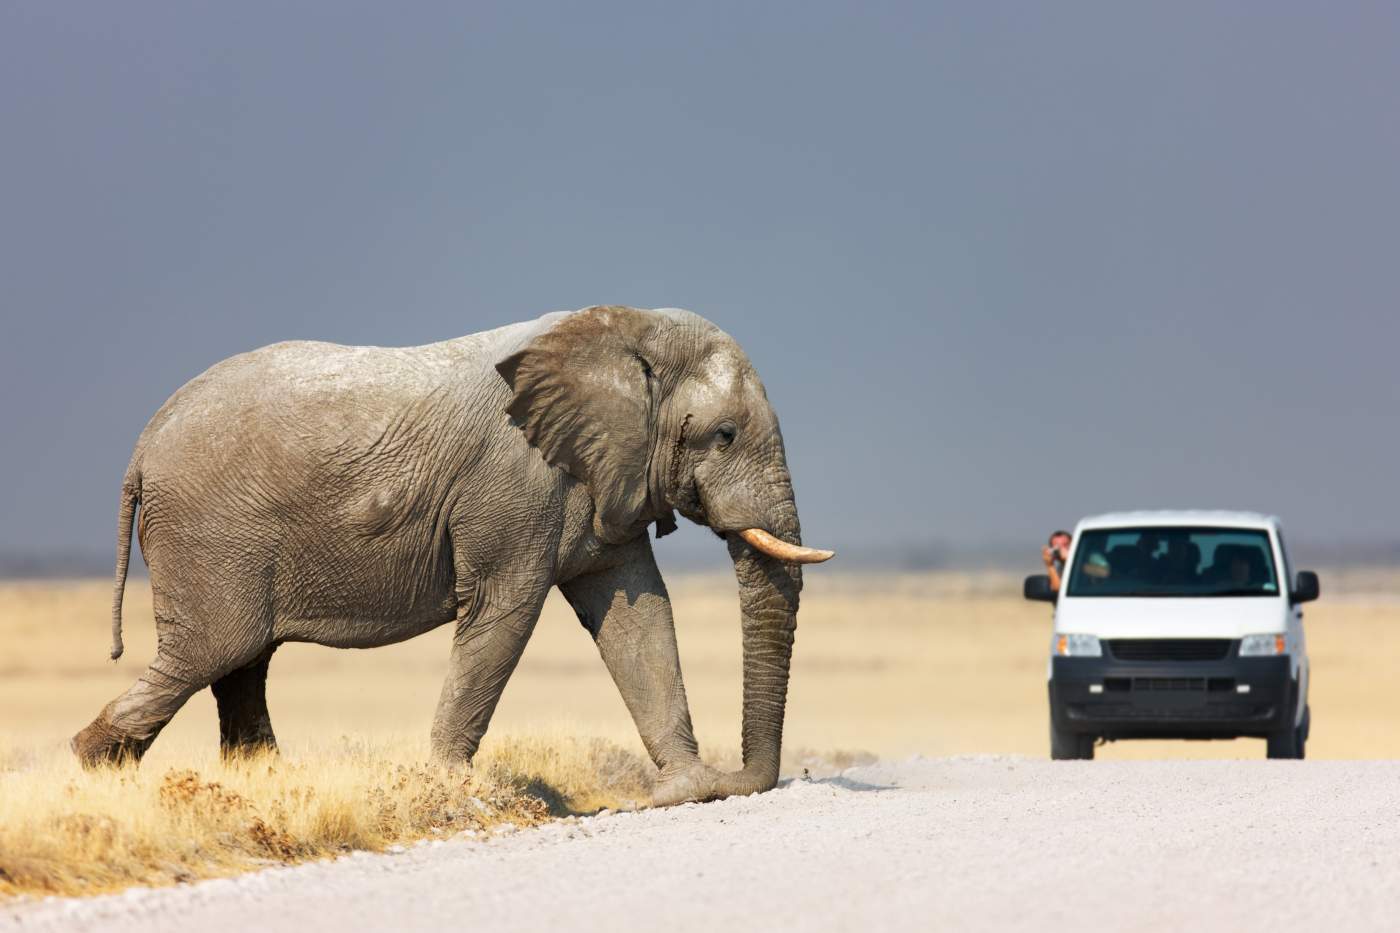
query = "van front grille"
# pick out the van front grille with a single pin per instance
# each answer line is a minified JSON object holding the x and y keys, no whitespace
{"x":1170,"y":649}
{"x":1169,"y":683}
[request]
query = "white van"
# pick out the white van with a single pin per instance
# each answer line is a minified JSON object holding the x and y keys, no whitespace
{"x":1183,"y":625}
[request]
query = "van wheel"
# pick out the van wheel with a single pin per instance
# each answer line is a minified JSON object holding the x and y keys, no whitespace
{"x":1070,"y":746}
{"x":1292,"y":742}
{"x":1303,"y":728}
{"x":1287,"y":744}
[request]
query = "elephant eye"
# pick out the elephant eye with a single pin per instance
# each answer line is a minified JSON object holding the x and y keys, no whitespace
{"x":724,"y":434}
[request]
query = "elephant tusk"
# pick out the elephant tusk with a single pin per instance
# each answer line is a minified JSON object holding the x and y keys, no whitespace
{"x":761,"y":540}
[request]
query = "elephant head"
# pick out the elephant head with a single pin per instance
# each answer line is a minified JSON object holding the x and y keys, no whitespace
{"x":661,"y":411}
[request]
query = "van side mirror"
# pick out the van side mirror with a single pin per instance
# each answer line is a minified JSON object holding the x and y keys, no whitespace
{"x":1306,"y":589}
{"x":1037,"y":588}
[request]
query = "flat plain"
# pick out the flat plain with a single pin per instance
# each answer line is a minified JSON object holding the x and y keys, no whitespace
{"x":935,"y":664}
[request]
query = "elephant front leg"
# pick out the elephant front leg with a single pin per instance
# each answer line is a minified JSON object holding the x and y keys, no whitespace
{"x":485,"y":649}
{"x":628,"y":613}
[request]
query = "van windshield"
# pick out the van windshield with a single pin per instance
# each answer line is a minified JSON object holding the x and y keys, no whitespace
{"x":1173,"y":561}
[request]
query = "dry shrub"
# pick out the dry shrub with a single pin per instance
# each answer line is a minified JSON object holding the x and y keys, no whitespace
{"x":67,"y":831}
{"x":570,"y":774}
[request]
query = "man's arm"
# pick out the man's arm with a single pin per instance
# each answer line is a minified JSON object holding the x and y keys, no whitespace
{"x":1048,"y":555}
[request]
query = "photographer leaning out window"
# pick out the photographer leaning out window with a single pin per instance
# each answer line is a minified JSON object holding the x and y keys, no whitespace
{"x":1055,"y":553}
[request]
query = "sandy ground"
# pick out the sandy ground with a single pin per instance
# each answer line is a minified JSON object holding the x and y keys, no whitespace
{"x":967,"y":843}
{"x":933,"y":664}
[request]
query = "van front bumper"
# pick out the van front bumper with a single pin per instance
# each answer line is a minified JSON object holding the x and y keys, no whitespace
{"x":1172,"y":699}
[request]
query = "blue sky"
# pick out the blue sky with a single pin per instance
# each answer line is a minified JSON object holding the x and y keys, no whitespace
{"x":1000,"y":265}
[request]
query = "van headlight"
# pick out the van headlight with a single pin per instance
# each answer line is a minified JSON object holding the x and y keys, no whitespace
{"x":1260,"y":646}
{"x":1078,"y":646}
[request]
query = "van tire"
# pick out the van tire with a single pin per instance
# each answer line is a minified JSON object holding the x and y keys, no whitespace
{"x":1291,"y":742}
{"x":1070,"y":746}
{"x":1286,"y":744}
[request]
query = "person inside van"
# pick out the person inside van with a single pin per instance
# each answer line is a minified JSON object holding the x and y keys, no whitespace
{"x":1054,"y":554}
{"x":1180,"y":562}
{"x":1097,"y":571}
{"x":1147,"y":546}
{"x":1247,"y":568}
{"x":1134,"y":562}
{"x":1236,"y":565}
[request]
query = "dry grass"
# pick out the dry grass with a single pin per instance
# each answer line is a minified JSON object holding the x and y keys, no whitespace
{"x":938,"y":664}
{"x":65,"y":831}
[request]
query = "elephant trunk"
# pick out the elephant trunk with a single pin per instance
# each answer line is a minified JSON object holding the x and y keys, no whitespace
{"x":768,"y":596}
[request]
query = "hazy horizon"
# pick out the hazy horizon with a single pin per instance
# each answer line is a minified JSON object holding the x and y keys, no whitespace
{"x":998,"y":267}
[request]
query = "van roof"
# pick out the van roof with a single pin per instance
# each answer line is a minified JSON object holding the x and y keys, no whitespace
{"x":1204,"y":517}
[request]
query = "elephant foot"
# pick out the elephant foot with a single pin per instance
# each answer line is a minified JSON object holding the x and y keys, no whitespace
{"x":746,"y":782}
{"x":103,"y":744}
{"x":248,"y":747}
{"x":694,"y":784}
{"x":245,"y":737}
{"x":452,"y":754}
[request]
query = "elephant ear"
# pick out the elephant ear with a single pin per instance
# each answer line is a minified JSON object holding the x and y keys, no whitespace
{"x":585,"y":396}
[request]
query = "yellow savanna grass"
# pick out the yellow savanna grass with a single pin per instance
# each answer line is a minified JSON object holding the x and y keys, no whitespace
{"x":68,"y":831}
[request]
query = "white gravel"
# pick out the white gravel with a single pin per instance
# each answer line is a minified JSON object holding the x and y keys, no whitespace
{"x":981,"y":843}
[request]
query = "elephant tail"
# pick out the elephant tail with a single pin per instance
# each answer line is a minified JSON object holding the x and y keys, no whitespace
{"x":131,"y":497}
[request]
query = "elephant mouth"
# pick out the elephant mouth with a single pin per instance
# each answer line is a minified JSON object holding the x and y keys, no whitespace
{"x":691,"y":504}
{"x":761,"y":540}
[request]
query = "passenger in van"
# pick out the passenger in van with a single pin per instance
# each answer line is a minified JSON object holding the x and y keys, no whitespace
{"x":1126,"y":561}
{"x":1179,"y":564}
{"x":1134,"y":562}
{"x":1147,"y":545}
{"x":1054,"y":554}
{"x":1236,"y":565}
{"x":1248,"y":568}
{"x":1096,"y":571}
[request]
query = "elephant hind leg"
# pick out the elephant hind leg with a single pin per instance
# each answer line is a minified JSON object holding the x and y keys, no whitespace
{"x":241,"y":695}
{"x":189,"y":657}
{"x":128,"y":725}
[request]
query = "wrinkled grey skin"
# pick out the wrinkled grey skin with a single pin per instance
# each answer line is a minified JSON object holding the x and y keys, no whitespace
{"x":359,"y":496}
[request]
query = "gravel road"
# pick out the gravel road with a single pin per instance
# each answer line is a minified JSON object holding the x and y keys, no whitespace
{"x":977,"y":843}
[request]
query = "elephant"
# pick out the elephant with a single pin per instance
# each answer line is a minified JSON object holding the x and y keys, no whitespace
{"x":359,"y":496}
